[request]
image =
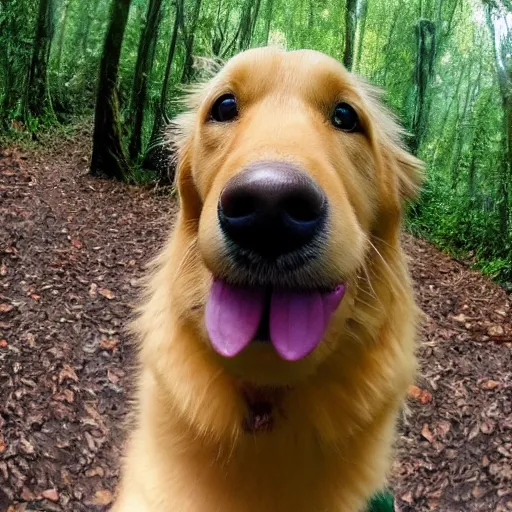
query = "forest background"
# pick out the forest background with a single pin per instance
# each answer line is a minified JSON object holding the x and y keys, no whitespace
{"x":445,"y":67}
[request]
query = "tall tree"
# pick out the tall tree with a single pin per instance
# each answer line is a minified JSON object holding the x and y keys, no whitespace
{"x":108,"y":156}
{"x":461,"y":130}
{"x":64,"y":16}
{"x":143,"y":67}
{"x":91,"y":16}
{"x":8,"y":56}
{"x":350,"y":33}
{"x":502,"y":50}
{"x":221,"y":34}
{"x":268,"y":19}
{"x":36,"y":99}
{"x":423,"y":72}
{"x":388,"y":45}
{"x":158,"y":157}
{"x":188,"y":31}
{"x":442,"y":130}
{"x":362,"y":10}
{"x":250,"y":12}
{"x":431,"y":37}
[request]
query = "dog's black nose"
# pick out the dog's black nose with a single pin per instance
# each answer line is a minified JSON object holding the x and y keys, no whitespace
{"x":272,"y":208}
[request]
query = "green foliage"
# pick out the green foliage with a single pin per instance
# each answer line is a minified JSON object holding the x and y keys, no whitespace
{"x":382,"y":502}
{"x":465,"y":227}
{"x":466,"y":205}
{"x":141,"y":177}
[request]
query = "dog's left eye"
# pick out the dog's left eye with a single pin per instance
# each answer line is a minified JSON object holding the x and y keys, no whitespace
{"x":345,"y":118}
{"x":224,"y":109}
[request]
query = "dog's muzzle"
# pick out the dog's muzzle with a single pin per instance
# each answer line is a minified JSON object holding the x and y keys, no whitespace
{"x":272,"y":208}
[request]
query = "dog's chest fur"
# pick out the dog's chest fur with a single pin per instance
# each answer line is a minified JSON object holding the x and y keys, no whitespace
{"x":281,"y":469}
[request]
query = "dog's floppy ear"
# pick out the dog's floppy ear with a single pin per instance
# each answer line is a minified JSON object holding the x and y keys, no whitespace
{"x":409,"y":171}
{"x":181,"y":137}
{"x":387,"y":139}
{"x":182,"y":142}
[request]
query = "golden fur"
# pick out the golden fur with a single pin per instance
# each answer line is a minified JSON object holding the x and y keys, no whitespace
{"x":330,"y":447}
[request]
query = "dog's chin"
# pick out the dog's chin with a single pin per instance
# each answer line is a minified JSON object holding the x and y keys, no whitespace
{"x":260,"y":366}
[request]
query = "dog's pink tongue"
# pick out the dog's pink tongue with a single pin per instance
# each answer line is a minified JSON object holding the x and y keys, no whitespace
{"x":233,"y":315}
{"x":298,"y":320}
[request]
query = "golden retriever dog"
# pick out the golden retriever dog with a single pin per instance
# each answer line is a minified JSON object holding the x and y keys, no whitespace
{"x":277,"y":337}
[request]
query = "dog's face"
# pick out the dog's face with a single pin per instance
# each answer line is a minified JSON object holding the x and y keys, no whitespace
{"x":287,"y":169}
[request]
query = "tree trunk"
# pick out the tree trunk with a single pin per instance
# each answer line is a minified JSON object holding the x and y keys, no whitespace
{"x":188,"y":30}
{"x":461,"y":131}
{"x":268,"y":19}
{"x":431,"y":37}
{"x":108,"y":156}
{"x":503,"y":62}
{"x":424,"y":69}
{"x":36,"y":99}
{"x":361,"y":26}
{"x":254,"y":19}
{"x":477,"y":147}
{"x":8,"y":56}
{"x":387,"y":47}
{"x":158,"y":157}
{"x":444,"y":122}
{"x":143,"y":67}
{"x":60,"y":39}
{"x":170,"y":59}
{"x":220,"y":32}
{"x":250,"y":11}
{"x":350,"y":33}
{"x":311,"y":15}
{"x":91,"y":14}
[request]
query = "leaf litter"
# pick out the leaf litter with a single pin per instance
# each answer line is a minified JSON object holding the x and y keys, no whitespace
{"x":72,"y":250}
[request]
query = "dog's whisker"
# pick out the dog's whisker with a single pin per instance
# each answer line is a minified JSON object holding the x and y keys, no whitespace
{"x":366,"y":278}
{"x":368,"y":305}
{"x":395,"y":280}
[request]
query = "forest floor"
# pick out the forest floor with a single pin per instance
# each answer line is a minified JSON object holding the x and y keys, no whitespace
{"x":72,"y":249}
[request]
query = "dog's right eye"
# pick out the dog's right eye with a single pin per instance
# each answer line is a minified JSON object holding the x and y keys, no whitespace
{"x":224,"y":109}
{"x":345,"y":118}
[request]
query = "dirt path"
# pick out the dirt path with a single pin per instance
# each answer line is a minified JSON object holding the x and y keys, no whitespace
{"x":71,"y":250}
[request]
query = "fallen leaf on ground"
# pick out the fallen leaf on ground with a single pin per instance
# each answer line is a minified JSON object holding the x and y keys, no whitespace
{"x":51,"y":494}
{"x":96,"y":471}
{"x":112,"y":376}
{"x":427,"y":434}
{"x":26,"y":446}
{"x":487,"y":427}
{"x":420,"y":395}
{"x":489,"y":384}
{"x":109,"y":343}
{"x":66,"y":396}
{"x":93,"y":289}
{"x":5,"y":308}
{"x":495,"y":330}
{"x":67,"y":373}
{"x":442,"y":428}
{"x":103,"y":497}
{"x":462,"y":318}
{"x":108,"y":294}
{"x":27,"y":495}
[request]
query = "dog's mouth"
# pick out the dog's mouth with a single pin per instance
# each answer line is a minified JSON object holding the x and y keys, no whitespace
{"x":293,"y":321}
